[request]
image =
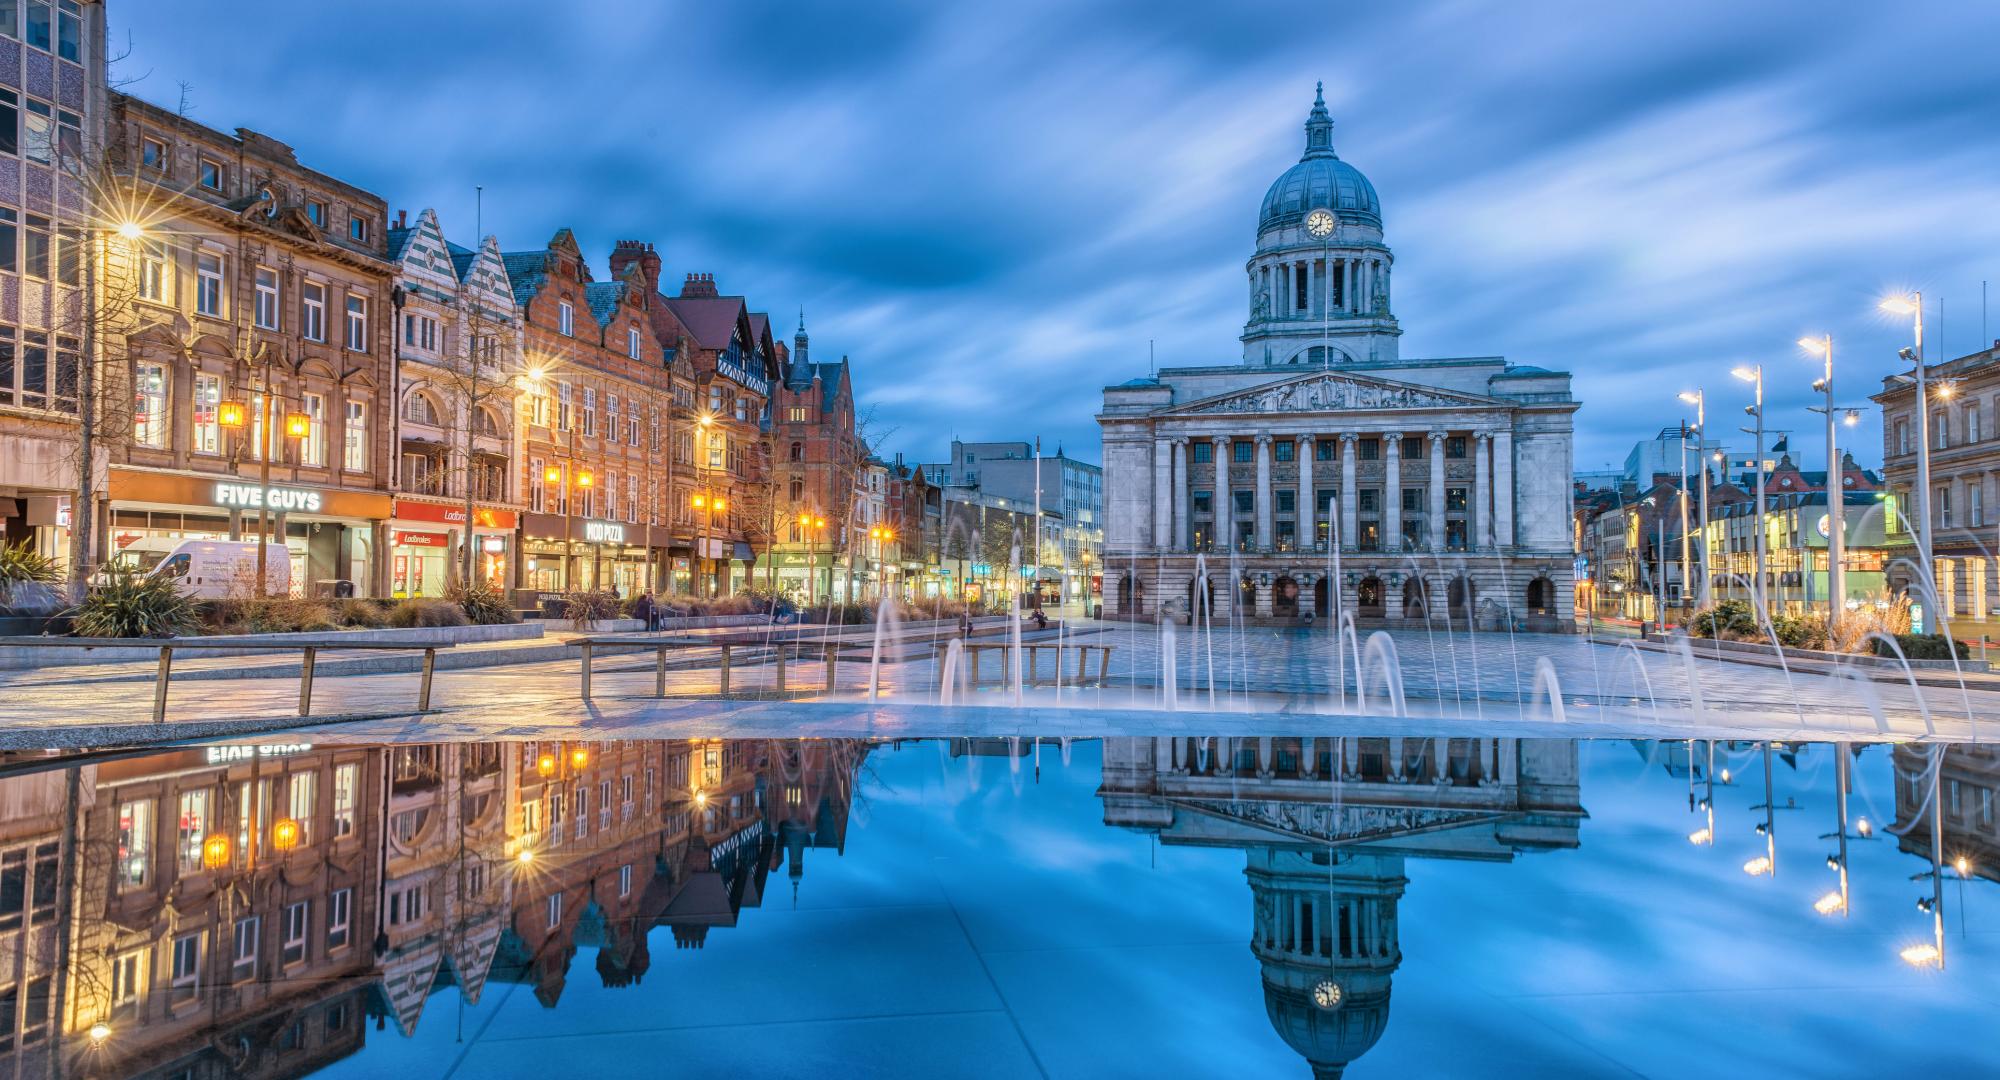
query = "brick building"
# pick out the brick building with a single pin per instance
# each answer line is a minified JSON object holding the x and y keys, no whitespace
{"x":256,"y":357}
{"x":598,"y":401}
{"x":820,"y":464}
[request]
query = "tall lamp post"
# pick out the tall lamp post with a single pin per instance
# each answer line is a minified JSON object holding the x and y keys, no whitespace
{"x":1913,"y":306}
{"x":1754,"y":374}
{"x":1699,"y":399}
{"x":297,"y":426}
{"x":706,"y":502}
{"x":562,"y":474}
{"x":1836,"y":486}
{"x":808,"y":525}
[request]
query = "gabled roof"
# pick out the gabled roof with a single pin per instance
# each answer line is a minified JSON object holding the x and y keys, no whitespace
{"x":525,"y":269}
{"x":399,"y":239}
{"x":711,"y":320}
{"x":603,"y":298}
{"x":462,"y":259}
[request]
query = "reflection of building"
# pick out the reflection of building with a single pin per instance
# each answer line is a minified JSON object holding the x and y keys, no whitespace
{"x":226,"y":900}
{"x":1968,"y":788}
{"x":1325,"y":825}
{"x":1323,"y":435}
{"x":243,"y":910}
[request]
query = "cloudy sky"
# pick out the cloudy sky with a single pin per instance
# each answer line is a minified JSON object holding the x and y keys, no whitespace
{"x":994,"y":208}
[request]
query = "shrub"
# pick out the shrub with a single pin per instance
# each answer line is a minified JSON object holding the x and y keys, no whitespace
{"x":1800,"y":631}
{"x":583,"y":608}
{"x":483,"y":604}
{"x":1727,"y":618}
{"x":129,"y":605}
{"x":420,"y":612}
{"x":360,"y":613}
{"x":272,"y":615}
{"x":27,"y":577}
{"x":1878,"y":614}
{"x":1924,"y":647}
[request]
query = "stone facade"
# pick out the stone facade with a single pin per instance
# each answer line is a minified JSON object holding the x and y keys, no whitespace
{"x":1963,"y":430}
{"x":1324,"y":474}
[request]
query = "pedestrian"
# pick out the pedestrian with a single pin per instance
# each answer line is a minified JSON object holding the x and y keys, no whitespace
{"x":647,"y":611}
{"x":1041,"y":620}
{"x":965,"y":623}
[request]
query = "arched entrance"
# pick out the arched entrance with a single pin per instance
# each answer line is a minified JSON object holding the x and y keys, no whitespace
{"x":1322,"y":597}
{"x":1285,"y":598}
{"x":1246,"y":595}
{"x":1416,"y":599}
{"x":1201,"y":597}
{"x":1130,"y":591}
{"x":1541,"y":596}
{"x":1458,"y":600}
{"x":1368,"y":598}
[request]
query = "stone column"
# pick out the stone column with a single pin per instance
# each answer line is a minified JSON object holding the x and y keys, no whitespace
{"x":1264,"y":501}
{"x":1307,"y":509}
{"x":1392,"y":494}
{"x":1482,"y":493}
{"x":1181,"y":531}
{"x":1349,"y":516}
{"x":1225,"y":505}
{"x":1437,"y":490}
{"x":1503,"y":488}
{"x":1163,"y":493}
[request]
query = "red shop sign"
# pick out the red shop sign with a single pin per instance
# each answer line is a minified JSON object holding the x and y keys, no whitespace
{"x":419,"y":539}
{"x":482,"y":517}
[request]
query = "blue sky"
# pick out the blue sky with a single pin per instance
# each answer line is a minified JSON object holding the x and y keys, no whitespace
{"x":992,"y":208}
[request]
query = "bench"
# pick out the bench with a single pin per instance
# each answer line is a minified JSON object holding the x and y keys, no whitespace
{"x":309,"y":652}
{"x":789,"y":643}
{"x":974,"y":650}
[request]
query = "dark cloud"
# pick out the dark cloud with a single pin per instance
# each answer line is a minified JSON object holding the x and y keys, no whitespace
{"x":994,"y":208}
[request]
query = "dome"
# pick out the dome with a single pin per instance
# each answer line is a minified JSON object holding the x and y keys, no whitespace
{"x":1320,"y":179}
{"x":1329,"y":1039}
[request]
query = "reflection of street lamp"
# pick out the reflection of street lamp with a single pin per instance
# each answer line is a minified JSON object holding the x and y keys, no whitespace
{"x":215,"y":851}
{"x":285,"y":834}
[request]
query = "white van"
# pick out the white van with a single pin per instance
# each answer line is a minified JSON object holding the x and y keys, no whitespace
{"x":210,"y":569}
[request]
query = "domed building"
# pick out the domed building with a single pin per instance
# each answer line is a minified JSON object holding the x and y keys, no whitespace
{"x":1309,"y":472}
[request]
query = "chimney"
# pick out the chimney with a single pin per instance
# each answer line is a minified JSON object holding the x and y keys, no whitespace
{"x":626,"y":252}
{"x":699,"y":285}
{"x":402,"y":219}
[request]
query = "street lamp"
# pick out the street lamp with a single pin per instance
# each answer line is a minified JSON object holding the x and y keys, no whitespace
{"x":705,"y":421}
{"x":809,"y":524}
{"x":1836,"y":489}
{"x":1754,"y":374}
{"x":1699,"y":399}
{"x":1913,"y":306}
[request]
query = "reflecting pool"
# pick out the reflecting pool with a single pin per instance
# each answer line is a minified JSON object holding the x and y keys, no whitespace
{"x":1170,"y":906}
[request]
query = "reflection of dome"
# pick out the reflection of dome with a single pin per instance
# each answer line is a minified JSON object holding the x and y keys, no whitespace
{"x":1320,"y":179}
{"x":1328,"y":1038}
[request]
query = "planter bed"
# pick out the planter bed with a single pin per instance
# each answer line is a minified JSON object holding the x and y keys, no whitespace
{"x":1713,"y":647}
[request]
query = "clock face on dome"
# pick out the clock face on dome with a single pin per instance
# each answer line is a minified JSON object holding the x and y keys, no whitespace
{"x":1320,"y":223}
{"x":1326,"y":994}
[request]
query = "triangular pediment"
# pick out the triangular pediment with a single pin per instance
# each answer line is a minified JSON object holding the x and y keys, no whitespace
{"x":1332,"y":391}
{"x":1323,"y":823}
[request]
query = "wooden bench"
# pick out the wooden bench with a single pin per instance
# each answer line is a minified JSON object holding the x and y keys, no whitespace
{"x":309,"y":650}
{"x":787,"y":644}
{"x":974,"y":650}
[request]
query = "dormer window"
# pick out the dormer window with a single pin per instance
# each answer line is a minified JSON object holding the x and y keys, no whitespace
{"x":270,"y":200}
{"x":211,"y":174}
{"x":566,"y":319}
{"x":357,"y":229}
{"x":153,"y":154}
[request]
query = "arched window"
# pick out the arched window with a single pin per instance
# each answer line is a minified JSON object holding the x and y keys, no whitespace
{"x":798,"y":451}
{"x":420,"y":409}
{"x":798,"y":489}
{"x":485,"y":423}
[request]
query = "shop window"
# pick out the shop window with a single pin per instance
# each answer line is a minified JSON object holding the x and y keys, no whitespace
{"x":149,"y":405}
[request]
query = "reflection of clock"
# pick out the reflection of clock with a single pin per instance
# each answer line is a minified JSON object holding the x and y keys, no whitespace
{"x":1320,"y":223}
{"x":1326,"y":994}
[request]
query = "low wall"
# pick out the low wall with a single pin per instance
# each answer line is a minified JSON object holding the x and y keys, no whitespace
{"x":16,"y":658}
{"x":1713,"y":647}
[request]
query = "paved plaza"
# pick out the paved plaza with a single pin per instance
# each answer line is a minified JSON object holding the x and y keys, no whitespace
{"x":1264,"y":680}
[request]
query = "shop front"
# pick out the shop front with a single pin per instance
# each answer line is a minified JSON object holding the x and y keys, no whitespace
{"x":333,"y":535}
{"x":424,"y":543}
{"x":560,"y":555}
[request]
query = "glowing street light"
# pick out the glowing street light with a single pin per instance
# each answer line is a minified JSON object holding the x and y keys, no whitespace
{"x":1830,"y":904}
{"x":525,"y":856}
{"x":1912,"y":304}
{"x":546,"y":764}
{"x":578,"y":758}
{"x":1701,"y":836}
{"x":231,"y":414}
{"x":298,"y":425}
{"x":285,"y":834}
{"x":1923,"y":955}
{"x":130,"y":230}
{"x":1758,"y":866}
{"x":100,"y":1031}
{"x":215,"y":851}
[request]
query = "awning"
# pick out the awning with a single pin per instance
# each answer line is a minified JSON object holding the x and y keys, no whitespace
{"x":743,"y":552}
